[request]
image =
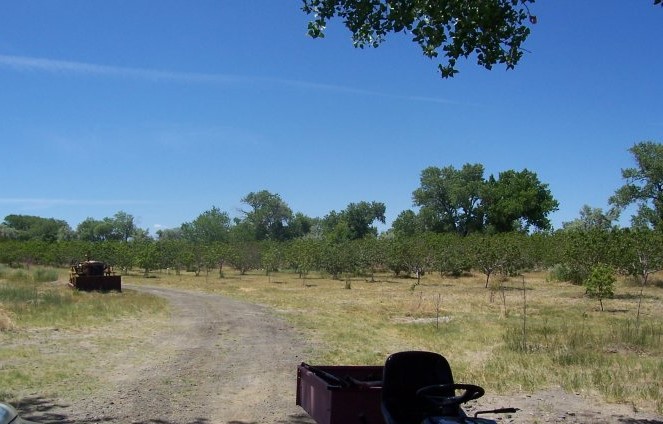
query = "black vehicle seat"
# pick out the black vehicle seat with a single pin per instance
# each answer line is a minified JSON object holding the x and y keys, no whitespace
{"x":404,"y":374}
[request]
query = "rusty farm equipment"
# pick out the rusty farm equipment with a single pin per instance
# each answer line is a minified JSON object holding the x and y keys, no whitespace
{"x":94,"y":275}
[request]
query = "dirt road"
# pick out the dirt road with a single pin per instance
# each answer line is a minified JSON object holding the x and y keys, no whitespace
{"x":222,"y":361}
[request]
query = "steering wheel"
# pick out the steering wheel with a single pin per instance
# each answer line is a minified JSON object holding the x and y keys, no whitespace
{"x":438,"y":396}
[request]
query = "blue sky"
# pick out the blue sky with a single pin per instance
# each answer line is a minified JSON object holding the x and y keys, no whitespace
{"x":163,"y":109}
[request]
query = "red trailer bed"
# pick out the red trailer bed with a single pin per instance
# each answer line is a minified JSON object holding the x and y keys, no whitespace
{"x":340,"y":394}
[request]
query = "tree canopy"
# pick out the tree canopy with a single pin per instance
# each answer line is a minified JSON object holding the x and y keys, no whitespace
{"x":28,"y":227}
{"x":461,"y":201}
{"x":517,"y":200}
{"x":355,"y":221}
{"x":269,"y":215}
{"x":593,"y":218}
{"x":450,"y":198}
{"x":210,"y":226}
{"x":492,"y":31}
{"x":644,"y":185}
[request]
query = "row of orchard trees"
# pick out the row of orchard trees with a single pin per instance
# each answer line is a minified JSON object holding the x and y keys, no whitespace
{"x":572,"y":253}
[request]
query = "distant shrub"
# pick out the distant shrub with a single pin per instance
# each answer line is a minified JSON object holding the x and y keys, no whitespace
{"x":563,"y":272}
{"x":558,"y":272}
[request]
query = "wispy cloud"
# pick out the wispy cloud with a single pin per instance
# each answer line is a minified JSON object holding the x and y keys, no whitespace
{"x":63,"y":67}
{"x":34,"y":64}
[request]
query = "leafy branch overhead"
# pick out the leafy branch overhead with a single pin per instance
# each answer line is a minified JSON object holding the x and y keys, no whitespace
{"x":491,"y":30}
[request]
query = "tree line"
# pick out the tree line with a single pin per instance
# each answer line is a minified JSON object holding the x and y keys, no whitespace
{"x":449,"y":200}
{"x":465,"y":221}
{"x":570,"y":254}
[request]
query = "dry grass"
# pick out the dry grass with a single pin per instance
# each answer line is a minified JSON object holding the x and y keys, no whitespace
{"x":53,"y":332}
{"x":567,"y":340}
{"x":5,"y":320}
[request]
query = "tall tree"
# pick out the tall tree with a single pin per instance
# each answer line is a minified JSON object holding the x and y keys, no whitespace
{"x":354,"y":222}
{"x":124,"y":225}
{"x":86,"y":229}
{"x":269,"y":215}
{"x":407,"y":224}
{"x":300,"y":225}
{"x":450,"y":198}
{"x":28,"y":227}
{"x":210,"y":226}
{"x":593,"y":218}
{"x":517,"y":200}
{"x":461,"y":201}
{"x":644,"y":185}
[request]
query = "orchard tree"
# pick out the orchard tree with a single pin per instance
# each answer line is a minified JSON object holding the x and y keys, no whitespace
{"x":303,"y":255}
{"x":488,"y":254}
{"x":644,"y":185}
{"x":271,"y":258}
{"x":146,"y":256}
{"x":245,"y":256}
{"x":600,"y":283}
{"x":171,"y":253}
{"x":337,"y":258}
{"x":640,"y":256}
{"x":452,"y":254}
{"x":371,"y":254}
{"x":416,"y":255}
{"x":580,"y":251}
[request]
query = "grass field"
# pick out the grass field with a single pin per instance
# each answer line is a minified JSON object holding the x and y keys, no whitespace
{"x":523,"y":335}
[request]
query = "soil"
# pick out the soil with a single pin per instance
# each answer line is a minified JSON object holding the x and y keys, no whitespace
{"x":224,"y":361}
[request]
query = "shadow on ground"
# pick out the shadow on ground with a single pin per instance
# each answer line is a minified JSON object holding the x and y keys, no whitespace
{"x":292,"y":419}
{"x":46,"y":411}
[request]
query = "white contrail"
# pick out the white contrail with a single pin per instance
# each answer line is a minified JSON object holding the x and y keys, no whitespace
{"x":64,"y":67}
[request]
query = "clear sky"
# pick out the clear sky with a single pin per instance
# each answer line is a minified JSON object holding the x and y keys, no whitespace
{"x":163,"y":109}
